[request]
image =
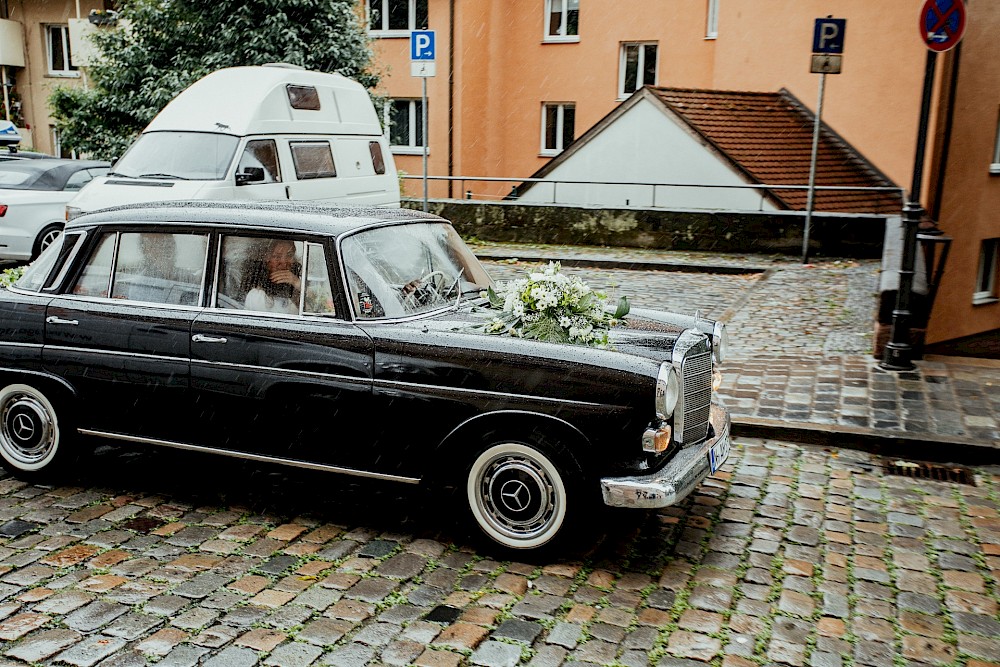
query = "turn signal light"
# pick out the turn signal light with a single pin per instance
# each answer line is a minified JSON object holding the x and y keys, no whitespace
{"x":657,"y":440}
{"x":3,"y":210}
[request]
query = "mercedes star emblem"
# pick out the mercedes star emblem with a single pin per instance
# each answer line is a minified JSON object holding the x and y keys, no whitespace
{"x":23,"y":428}
{"x":515,"y":495}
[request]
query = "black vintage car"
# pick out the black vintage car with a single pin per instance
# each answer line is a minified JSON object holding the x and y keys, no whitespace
{"x":346,"y":340}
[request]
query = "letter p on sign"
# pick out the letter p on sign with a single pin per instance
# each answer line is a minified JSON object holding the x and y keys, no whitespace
{"x":828,"y":36}
{"x":422,"y":45}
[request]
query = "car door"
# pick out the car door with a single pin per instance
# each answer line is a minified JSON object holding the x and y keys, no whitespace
{"x":120,"y":334}
{"x":288,"y":385}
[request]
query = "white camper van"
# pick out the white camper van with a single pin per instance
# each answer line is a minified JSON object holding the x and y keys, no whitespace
{"x":268,"y":132}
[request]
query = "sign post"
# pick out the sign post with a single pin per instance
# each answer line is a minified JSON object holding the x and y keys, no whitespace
{"x":942,"y":25}
{"x":828,"y":50}
{"x":422,"y":51}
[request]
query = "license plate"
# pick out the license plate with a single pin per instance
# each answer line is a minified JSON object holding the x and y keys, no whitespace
{"x":717,"y":454}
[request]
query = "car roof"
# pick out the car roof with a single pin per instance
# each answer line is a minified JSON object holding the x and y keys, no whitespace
{"x":327,"y":219}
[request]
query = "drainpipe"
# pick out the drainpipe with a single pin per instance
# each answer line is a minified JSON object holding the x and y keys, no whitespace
{"x":451,"y":92}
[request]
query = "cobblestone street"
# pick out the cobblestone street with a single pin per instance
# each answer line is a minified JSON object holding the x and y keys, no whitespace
{"x":793,"y":555}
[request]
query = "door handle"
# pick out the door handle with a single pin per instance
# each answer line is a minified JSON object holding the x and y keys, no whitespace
{"x":202,"y":338}
{"x":52,"y":319}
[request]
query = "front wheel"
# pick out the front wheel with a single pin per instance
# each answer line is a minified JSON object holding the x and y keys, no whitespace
{"x":31,"y":435}
{"x":519,"y":496}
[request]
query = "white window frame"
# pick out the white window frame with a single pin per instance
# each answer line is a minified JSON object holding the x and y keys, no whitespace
{"x":640,"y":64}
{"x":561,"y":36}
{"x":711,"y":20}
{"x":560,"y":115}
{"x":386,"y":32}
{"x":995,"y":165}
{"x":989,"y":266}
{"x":67,"y":70}
{"x":413,"y":148}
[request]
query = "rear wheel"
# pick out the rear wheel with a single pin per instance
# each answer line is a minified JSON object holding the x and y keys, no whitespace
{"x":31,"y":431}
{"x":45,"y":238}
{"x":523,"y":495}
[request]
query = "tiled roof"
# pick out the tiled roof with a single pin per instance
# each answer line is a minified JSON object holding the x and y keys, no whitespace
{"x":768,"y":136}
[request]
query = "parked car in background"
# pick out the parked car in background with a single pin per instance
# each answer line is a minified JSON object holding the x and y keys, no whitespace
{"x":349,"y":340}
{"x":33,"y":196}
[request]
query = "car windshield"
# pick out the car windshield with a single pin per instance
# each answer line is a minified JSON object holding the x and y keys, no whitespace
{"x":196,"y":156}
{"x":403,"y":270}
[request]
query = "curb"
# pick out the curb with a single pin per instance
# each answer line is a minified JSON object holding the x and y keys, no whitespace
{"x":896,"y":444}
{"x":636,"y":265}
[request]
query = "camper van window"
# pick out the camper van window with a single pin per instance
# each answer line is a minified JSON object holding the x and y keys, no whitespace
{"x":312,"y":159}
{"x":378,"y":162}
{"x":196,"y":156}
{"x":303,"y":97}
{"x":261,"y":154}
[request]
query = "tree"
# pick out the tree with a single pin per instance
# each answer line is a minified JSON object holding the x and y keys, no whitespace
{"x":163,"y":46}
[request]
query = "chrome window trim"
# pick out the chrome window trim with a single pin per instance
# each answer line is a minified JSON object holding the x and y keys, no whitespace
{"x":85,"y":298}
{"x":7,"y":343}
{"x":261,"y":458}
{"x":70,"y":260}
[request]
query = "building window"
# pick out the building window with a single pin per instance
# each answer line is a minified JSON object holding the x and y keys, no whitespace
{"x":986,"y":280}
{"x":60,"y":58}
{"x":396,"y":17}
{"x":558,"y":121}
{"x":995,"y":167}
{"x":637,"y":68}
{"x":712,"y":20}
{"x":562,"y":20}
{"x":405,"y":120}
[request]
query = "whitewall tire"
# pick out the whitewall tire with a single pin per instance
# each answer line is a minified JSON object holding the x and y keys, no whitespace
{"x":30,"y":435}
{"x":517,"y":495}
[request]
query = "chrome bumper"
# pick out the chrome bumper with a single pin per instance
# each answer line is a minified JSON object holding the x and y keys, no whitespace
{"x":674,"y":481}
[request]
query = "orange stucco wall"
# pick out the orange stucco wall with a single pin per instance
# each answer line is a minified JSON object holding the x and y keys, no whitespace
{"x":970,"y":204}
{"x":504,"y":71}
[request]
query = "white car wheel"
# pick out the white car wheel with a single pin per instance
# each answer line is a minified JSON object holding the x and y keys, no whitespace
{"x":517,"y":495}
{"x":29,"y":428}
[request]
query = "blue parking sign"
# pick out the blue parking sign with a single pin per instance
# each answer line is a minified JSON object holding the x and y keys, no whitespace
{"x":422,"y":45}
{"x":828,"y":35}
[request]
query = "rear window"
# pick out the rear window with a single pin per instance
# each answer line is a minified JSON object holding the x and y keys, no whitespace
{"x":312,"y":159}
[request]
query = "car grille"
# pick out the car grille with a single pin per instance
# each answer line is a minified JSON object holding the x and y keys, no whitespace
{"x":696,"y":371}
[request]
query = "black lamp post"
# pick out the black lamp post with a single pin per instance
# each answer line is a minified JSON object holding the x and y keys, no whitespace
{"x":898,"y":355}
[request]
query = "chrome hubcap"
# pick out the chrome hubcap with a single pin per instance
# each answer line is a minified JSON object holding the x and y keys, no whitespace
{"x":49,"y":238}
{"x":517,"y":496}
{"x":27,"y":431}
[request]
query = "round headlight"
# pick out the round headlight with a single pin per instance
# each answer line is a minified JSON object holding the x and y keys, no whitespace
{"x":668,"y":390}
{"x":720,"y":342}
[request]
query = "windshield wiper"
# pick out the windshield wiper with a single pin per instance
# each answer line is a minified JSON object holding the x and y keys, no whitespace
{"x":179,"y":178}
{"x":453,"y":285}
{"x":116,"y":173}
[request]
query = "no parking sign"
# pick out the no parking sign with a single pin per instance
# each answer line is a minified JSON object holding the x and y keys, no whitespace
{"x":942,"y":23}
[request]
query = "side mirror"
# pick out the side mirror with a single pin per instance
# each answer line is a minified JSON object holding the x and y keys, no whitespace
{"x":114,"y":160}
{"x":250,"y":175}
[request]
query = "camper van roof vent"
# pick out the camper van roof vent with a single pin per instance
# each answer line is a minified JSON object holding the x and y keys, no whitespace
{"x":303,"y":97}
{"x":284,"y":65}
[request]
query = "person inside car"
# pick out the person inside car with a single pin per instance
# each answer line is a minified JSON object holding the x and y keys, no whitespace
{"x":272,"y":281}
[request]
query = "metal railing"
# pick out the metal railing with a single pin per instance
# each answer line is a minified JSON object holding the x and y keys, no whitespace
{"x":648,"y":202}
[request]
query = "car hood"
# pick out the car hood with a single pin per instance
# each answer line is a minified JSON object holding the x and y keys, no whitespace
{"x":107,"y":191}
{"x":645,"y":333}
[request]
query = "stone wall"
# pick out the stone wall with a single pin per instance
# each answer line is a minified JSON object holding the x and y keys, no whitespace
{"x":832,"y":235}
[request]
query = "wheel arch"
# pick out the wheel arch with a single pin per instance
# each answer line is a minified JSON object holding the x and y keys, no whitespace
{"x":462,"y":443}
{"x":44,"y":382}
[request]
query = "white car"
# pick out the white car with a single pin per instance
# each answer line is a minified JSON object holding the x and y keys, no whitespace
{"x":33,"y":196}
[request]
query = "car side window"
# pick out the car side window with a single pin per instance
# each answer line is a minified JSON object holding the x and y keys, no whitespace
{"x":78,"y":180}
{"x":261,"y":154}
{"x":319,"y":295}
{"x":158,"y":267}
{"x":312,"y":159}
{"x":96,"y":276}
